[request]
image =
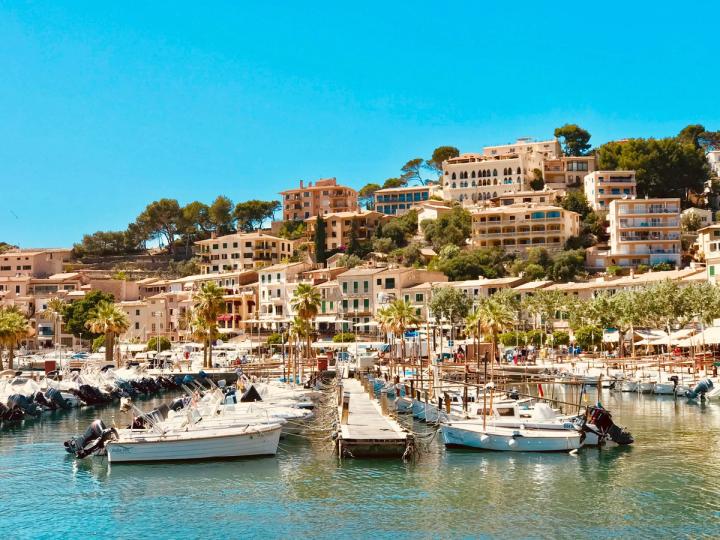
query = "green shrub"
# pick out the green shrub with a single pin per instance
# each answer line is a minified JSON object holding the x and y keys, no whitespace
{"x":344,"y":337}
{"x":98,"y":342}
{"x":560,"y":338}
{"x":152,"y":343}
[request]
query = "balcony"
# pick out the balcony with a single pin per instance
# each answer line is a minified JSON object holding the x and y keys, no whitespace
{"x":649,"y":237}
{"x":640,"y":210}
{"x":636,"y":224}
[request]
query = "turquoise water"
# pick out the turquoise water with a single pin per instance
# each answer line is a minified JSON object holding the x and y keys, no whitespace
{"x":666,"y":485}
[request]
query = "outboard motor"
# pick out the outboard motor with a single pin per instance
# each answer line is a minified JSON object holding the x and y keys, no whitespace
{"x":23,"y":403}
{"x":11,"y":414}
{"x":513,"y":394}
{"x":604,"y":427}
{"x":179,"y":403}
{"x":43,"y":401}
{"x":251,"y":394}
{"x":92,"y":441}
{"x":54,"y":396}
{"x":156,"y":415}
{"x":701,"y":388}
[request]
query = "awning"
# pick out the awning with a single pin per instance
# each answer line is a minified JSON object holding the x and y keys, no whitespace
{"x":325,"y":318}
{"x":710,"y":336}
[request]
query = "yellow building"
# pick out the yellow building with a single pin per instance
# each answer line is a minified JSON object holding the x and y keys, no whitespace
{"x":517,"y":227}
{"x":242,"y":251}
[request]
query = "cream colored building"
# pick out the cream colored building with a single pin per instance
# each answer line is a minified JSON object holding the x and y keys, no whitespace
{"x":708,"y":241}
{"x":339,"y":227}
{"x":703,"y":215}
{"x":276,"y":289}
{"x":323,"y":198}
{"x":526,"y":146}
{"x":242,"y":251}
{"x":567,"y":171}
{"x":603,"y":187}
{"x":642,"y":231}
{"x":544,"y":196}
{"x":517,"y":227}
{"x":713,"y":159}
{"x":473,"y":178}
{"x":33,"y":262}
{"x":392,"y":201}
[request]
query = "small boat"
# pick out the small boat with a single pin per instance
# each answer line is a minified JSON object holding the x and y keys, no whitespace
{"x":404,"y":405}
{"x":228,"y":442}
{"x":645,"y":386}
{"x":628,"y":385}
{"x":473,"y":435}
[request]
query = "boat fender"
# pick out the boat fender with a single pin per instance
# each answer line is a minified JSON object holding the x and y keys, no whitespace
{"x":512,"y":443}
{"x":573,"y":452}
{"x":483,"y":438}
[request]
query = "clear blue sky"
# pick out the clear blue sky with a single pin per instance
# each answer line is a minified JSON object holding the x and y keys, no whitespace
{"x":104,"y":108}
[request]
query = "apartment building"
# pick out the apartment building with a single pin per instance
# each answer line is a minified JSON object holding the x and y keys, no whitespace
{"x":339,"y":227}
{"x":394,"y":201}
{"x":642,"y":231}
{"x":567,"y":171}
{"x":242,"y":251}
{"x":526,"y":146}
{"x":37,"y":263}
{"x":708,"y":241}
{"x":603,"y":187}
{"x":473,"y":178}
{"x":276,"y":290}
{"x":363,"y":291}
{"x":545,"y":196}
{"x":325,"y":197}
{"x":713,"y":159}
{"x":517,"y":227}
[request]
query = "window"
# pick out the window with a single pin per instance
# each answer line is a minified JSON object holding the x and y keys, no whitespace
{"x":137,"y":326}
{"x":390,"y":283}
{"x":344,"y":287}
{"x":356,"y":303}
{"x":137,"y":312}
{"x":366,"y":304}
{"x":366,"y":286}
{"x":712,"y":270}
{"x":419,"y":297}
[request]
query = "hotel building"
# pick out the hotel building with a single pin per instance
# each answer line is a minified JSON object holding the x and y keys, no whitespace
{"x":517,"y":227}
{"x":394,"y":201}
{"x":242,"y":251}
{"x":325,"y":197}
{"x":602,"y":187}
{"x":642,"y":231}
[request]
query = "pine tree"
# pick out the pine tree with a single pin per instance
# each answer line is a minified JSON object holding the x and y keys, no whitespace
{"x":320,"y":238}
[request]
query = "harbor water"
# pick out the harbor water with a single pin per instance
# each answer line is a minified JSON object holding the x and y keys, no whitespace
{"x":666,"y":485}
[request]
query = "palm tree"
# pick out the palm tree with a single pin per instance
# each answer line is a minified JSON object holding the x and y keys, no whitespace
{"x":108,"y":319}
{"x":54,"y":311}
{"x":306,"y":304}
{"x":299,"y":330}
{"x":495,"y":315}
{"x":208,"y":305}
{"x":398,"y":317}
{"x":14,"y":326}
{"x":474,"y":329}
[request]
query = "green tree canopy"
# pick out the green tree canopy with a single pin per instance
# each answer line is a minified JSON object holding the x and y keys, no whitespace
{"x":366,"y":195}
{"x":220,"y":214}
{"x":320,"y":241}
{"x":574,"y":139}
{"x":251,"y":215}
{"x":471,"y":264}
{"x":394,"y":183}
{"x":440,"y":154}
{"x":451,"y":228}
{"x":575,"y":201}
{"x":161,"y":220}
{"x":77,"y":314}
{"x":449,"y":303}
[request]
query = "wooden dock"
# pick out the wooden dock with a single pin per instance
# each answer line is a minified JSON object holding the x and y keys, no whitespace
{"x":364,"y":431}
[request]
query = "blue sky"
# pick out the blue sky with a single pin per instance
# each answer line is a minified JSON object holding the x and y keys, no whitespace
{"x":104,"y":108}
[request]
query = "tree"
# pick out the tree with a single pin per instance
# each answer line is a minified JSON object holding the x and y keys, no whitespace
{"x":349,"y":261}
{"x":306,"y":303}
{"x":162,"y":341}
{"x":664,"y":167}
{"x":208,"y":305}
{"x":537,"y":183}
{"x":453,"y":227}
{"x":384,"y":245}
{"x":76,"y":314}
{"x":14,"y":327}
{"x":320,"y":241}
{"x":471,"y":264}
{"x":353,"y":247}
{"x":54,"y":311}
{"x":251,"y":215}
{"x":440,"y":154}
{"x":567,"y":265}
{"x":162,"y":220}
{"x":449,"y":303}
{"x":496,"y":315}
{"x":366,"y":195}
{"x":220,"y":214}
{"x":412,"y":171}
{"x":574,"y":139}
{"x":196,"y":222}
{"x":394,"y":183}
{"x":398,"y":316}
{"x":690,"y":222}
{"x":575,"y":201}
{"x":111,"y":321}
{"x":691,"y":134}
{"x":292,"y":230}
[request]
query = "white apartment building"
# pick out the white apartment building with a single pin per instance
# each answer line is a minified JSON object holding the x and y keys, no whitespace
{"x":526,"y":146}
{"x":567,"y":171}
{"x":642,"y":231}
{"x":276,"y":290}
{"x":242,"y":251}
{"x":713,"y":158}
{"x":517,"y":227}
{"x":603,"y":187}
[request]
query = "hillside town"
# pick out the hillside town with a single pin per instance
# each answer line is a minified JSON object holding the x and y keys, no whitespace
{"x":528,"y":216}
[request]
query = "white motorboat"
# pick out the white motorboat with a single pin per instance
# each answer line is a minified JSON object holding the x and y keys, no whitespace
{"x":645,"y":386}
{"x":226,"y":442}
{"x":473,"y":435}
{"x":628,"y":385}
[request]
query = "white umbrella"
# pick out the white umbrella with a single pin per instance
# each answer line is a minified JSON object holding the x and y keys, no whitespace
{"x":369,"y":323}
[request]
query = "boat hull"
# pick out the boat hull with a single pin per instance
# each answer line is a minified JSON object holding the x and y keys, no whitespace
{"x":508,"y":440}
{"x":202,"y":444}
